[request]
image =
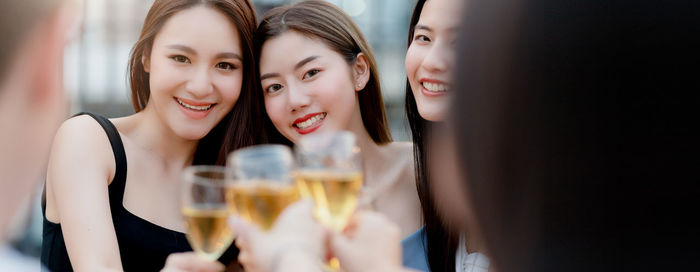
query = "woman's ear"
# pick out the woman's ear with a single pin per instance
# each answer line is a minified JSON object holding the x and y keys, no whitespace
{"x":146,"y":62}
{"x":360,"y":72}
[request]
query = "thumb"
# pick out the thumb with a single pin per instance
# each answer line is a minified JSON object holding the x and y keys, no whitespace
{"x":242,"y":229}
{"x":339,"y":243}
{"x":300,"y":209}
{"x":237,"y":224}
{"x":245,"y":231}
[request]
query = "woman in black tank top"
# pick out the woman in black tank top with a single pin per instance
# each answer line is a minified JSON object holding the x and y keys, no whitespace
{"x":193,"y":87}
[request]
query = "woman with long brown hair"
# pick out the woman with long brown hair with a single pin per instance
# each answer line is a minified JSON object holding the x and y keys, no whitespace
{"x":192,"y":74}
{"x":318,"y":73}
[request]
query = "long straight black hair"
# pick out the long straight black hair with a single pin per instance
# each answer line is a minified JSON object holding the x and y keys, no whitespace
{"x":439,"y":242}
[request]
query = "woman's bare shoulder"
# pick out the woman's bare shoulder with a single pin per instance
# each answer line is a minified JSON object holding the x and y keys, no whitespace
{"x":82,"y":143}
{"x":82,"y":132}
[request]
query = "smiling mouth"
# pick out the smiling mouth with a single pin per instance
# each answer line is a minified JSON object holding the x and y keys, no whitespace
{"x":201,"y":107}
{"x":435,"y":87}
{"x":310,"y":122}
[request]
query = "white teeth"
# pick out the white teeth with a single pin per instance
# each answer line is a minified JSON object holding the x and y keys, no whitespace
{"x":435,"y":87}
{"x":198,"y":108}
{"x":311,"y":121}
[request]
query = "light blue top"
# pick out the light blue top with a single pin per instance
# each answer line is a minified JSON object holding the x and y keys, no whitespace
{"x":413,"y":249}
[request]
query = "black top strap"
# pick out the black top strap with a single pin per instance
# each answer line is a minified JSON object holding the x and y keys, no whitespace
{"x":116,"y":192}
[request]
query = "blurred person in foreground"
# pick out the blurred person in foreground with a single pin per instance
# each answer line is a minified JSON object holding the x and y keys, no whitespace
{"x":32,"y":104}
{"x":562,"y":173}
{"x":571,"y":130}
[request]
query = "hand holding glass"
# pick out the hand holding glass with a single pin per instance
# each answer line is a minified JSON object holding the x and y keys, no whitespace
{"x":330,"y":172}
{"x":261,"y":183}
{"x":204,"y":209}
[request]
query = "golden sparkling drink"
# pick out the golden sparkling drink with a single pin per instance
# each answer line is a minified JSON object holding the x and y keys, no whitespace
{"x":335,"y":194}
{"x":207,"y":230}
{"x":260,"y":202}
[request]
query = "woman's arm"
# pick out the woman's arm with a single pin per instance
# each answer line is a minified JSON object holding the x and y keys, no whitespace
{"x":81,"y":165}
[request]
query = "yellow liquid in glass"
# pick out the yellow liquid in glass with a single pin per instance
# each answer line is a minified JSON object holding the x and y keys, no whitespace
{"x":335,"y":194}
{"x":260,"y":202}
{"x":208,"y":231}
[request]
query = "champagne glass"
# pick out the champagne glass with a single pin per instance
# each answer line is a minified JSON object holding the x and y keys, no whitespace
{"x":261,"y":183}
{"x":330,"y":173}
{"x":204,"y":209}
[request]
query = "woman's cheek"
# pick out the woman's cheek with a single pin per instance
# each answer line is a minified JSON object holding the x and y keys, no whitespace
{"x":275,"y":110}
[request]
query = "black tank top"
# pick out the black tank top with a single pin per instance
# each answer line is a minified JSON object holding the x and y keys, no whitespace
{"x":143,"y":246}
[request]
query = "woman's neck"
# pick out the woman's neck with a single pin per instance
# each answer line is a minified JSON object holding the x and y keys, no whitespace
{"x":474,"y":243}
{"x":371,"y":152}
{"x":151,"y":134}
{"x":374,"y":159}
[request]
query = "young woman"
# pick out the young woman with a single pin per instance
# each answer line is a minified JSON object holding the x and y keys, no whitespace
{"x":319,"y":74}
{"x":189,"y":81}
{"x":430,"y":61}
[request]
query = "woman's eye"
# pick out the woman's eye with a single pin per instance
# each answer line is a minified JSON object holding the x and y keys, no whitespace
{"x":273,"y":88}
{"x":421,"y":38}
{"x":311,"y":73}
{"x":180,"y":58}
{"x":225,"y":66}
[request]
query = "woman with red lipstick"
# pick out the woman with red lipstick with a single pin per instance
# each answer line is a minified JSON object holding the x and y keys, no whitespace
{"x":193,"y":89}
{"x":318,"y":73}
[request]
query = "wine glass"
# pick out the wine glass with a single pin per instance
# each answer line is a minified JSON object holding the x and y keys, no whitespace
{"x":261,"y":183}
{"x":204,"y":210}
{"x":330,"y":173}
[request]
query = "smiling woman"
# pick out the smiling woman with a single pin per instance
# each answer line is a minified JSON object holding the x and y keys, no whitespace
{"x":318,"y":74}
{"x":430,"y":63}
{"x":194,"y":73}
{"x":189,"y":82}
{"x":316,"y":90}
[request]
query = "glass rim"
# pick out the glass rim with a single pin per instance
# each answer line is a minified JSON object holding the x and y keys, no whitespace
{"x":189,"y":175}
{"x":268,"y":148}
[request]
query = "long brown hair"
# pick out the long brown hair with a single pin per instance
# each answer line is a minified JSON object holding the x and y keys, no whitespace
{"x":440,"y":243}
{"x":237,"y":129}
{"x":330,"y":25}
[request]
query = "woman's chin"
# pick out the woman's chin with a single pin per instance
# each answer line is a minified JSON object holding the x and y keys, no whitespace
{"x":193,"y":134}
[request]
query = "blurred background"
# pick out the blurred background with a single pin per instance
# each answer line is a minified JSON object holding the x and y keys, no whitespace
{"x":95,"y":63}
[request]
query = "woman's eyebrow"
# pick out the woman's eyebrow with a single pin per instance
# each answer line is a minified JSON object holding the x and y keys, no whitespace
{"x":229,"y":55}
{"x":183,"y":48}
{"x":305,"y":61}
